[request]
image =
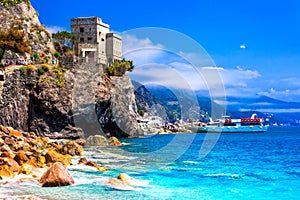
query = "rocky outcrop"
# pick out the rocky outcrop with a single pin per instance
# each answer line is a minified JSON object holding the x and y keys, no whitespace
{"x":26,"y":17}
{"x":88,"y":103}
{"x":56,"y":176}
{"x":38,"y":105}
{"x":105,"y":101}
{"x":96,"y":140}
{"x":116,"y":109}
{"x":15,"y":101}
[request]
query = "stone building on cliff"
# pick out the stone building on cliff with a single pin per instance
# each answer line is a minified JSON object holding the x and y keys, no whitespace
{"x":95,"y":41}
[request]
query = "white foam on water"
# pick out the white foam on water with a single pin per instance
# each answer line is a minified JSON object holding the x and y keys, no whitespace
{"x":82,"y":168}
{"x":190,"y":162}
{"x":124,"y":188}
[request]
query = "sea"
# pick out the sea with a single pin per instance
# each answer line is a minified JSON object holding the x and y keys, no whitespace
{"x":185,"y":166}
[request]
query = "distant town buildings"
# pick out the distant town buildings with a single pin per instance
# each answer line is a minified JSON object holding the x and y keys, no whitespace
{"x":95,"y":41}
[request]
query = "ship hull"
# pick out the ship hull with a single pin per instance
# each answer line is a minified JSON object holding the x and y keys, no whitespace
{"x":228,"y":129}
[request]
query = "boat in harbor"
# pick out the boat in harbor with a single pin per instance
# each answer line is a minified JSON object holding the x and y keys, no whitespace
{"x":228,"y":125}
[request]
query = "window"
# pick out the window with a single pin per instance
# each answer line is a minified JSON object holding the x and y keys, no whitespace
{"x":89,"y":39}
{"x":81,"y":39}
{"x":81,"y":30}
{"x":102,"y":39}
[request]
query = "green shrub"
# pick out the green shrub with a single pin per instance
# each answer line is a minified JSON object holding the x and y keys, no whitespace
{"x":23,"y":68}
{"x":141,"y":112}
{"x":56,"y":55}
{"x":119,"y":67}
{"x":40,"y":71}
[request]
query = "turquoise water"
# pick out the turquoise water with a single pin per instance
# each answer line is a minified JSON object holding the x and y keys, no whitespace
{"x":239,"y":166}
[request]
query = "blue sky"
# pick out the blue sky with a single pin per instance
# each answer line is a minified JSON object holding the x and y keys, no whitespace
{"x":253,"y":43}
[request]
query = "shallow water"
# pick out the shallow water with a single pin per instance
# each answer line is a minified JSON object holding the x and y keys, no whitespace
{"x":239,"y":166}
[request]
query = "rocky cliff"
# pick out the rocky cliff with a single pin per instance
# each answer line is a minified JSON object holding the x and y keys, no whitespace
{"x":88,"y":103}
{"x":25,"y":17}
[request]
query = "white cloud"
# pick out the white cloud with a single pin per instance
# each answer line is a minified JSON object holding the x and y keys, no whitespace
{"x":198,"y":59}
{"x":285,"y":95}
{"x":155,"y":64}
{"x":54,"y":29}
{"x":213,"y":68}
{"x":231,"y":77}
{"x":243,"y":46}
{"x":160,"y":74}
{"x":141,"y":51}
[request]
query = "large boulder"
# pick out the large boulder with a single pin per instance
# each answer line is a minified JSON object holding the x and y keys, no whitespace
{"x":96,"y":140}
{"x":56,"y":176}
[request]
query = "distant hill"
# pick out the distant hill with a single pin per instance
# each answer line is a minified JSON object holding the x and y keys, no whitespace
{"x":183,"y":104}
{"x":277,"y":111}
{"x":259,"y":103}
{"x":180,"y":104}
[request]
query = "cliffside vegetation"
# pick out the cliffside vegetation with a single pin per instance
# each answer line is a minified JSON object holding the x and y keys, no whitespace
{"x":8,"y":3}
{"x":13,"y":40}
{"x":119,"y":67}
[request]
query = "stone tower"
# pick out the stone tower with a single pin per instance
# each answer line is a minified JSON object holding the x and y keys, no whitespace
{"x":95,"y":41}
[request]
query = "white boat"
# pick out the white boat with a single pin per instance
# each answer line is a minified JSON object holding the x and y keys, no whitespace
{"x":228,"y":125}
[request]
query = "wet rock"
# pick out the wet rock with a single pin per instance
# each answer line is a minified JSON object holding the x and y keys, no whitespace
{"x":10,"y":140}
{"x":26,"y":169}
{"x":35,"y":172}
{"x":6,"y":171}
{"x":96,"y":140}
{"x":117,"y":183}
{"x":56,"y":176}
{"x":127,"y":179}
{"x":82,"y":160}
{"x":14,"y":133}
{"x":114,"y":141}
{"x":92,"y":164}
{"x":11,"y":163}
{"x":54,"y":156}
{"x":4,"y":129}
{"x":21,"y":157}
{"x":6,"y":151}
{"x":72,"y":148}
{"x":81,"y":142}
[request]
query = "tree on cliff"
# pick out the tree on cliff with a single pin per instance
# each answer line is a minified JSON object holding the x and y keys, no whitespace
{"x":13,"y":40}
{"x":119,"y":67}
{"x":63,"y":41}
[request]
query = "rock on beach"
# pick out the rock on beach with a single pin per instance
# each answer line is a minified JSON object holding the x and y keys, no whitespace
{"x":57,"y":175}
